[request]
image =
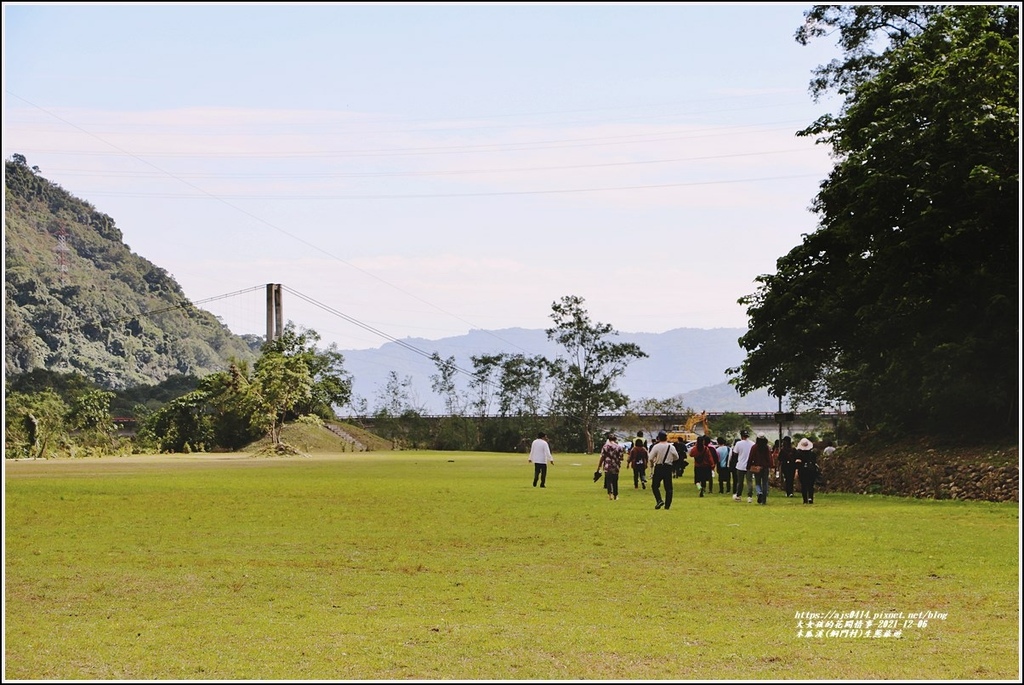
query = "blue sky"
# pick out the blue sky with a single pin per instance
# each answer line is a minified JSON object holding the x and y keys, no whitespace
{"x":426,"y":169}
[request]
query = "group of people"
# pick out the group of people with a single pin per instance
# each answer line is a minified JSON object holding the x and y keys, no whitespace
{"x":664,"y":459}
{"x":751,"y":461}
{"x":801,"y":462}
{"x":747,"y":463}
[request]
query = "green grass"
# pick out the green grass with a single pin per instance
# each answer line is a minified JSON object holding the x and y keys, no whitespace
{"x":427,"y":565}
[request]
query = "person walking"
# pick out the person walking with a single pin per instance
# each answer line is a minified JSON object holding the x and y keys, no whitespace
{"x":787,"y":464}
{"x":724,"y":470}
{"x":540,"y":457}
{"x":662,"y":456}
{"x":759,"y":464}
{"x":637,"y":460}
{"x":704,"y":460}
{"x":610,"y":462}
{"x":741,"y":452}
{"x":679,"y":467}
{"x":807,"y":468}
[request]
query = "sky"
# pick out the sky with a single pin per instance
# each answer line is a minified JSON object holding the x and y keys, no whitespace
{"x":418,"y":170}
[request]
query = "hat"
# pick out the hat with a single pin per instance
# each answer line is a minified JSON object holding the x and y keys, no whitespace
{"x":744,"y":434}
{"x":805,"y":444}
{"x":662,"y":435}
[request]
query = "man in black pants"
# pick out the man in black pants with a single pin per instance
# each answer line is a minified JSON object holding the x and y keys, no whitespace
{"x":540,"y":456}
{"x":663,"y":455}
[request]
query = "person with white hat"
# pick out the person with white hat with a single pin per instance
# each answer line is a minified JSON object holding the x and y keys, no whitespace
{"x":806,"y":468}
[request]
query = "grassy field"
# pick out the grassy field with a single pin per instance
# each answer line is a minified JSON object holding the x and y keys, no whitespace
{"x":432,"y":566}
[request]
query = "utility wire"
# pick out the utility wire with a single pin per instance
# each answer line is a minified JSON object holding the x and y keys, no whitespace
{"x":394,"y":174}
{"x":412,"y":348}
{"x":421,"y":196}
{"x":187,"y":304}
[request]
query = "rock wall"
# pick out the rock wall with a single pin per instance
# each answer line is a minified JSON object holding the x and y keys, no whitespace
{"x":967,"y":474}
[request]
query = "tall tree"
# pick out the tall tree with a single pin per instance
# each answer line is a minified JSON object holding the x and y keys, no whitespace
{"x":443,"y":383}
{"x":35,"y":424}
{"x":902,"y":304}
{"x":395,"y":415}
{"x":89,"y":415}
{"x":483,"y":384}
{"x":521,"y":386}
{"x":585,"y":374}
{"x":279,"y":383}
{"x":291,"y":378}
{"x":330,"y":383}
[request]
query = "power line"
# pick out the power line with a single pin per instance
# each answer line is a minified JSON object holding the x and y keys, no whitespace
{"x":187,"y":304}
{"x":393,"y":174}
{"x":226,"y":295}
{"x":418,"y":196}
{"x":412,"y":348}
{"x":555,"y":143}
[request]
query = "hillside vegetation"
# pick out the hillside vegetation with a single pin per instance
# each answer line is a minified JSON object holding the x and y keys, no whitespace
{"x":76,"y":298}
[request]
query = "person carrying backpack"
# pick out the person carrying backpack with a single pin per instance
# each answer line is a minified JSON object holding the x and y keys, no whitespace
{"x":637,"y":460}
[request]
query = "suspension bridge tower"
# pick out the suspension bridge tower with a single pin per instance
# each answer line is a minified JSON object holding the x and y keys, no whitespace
{"x":275,"y":313}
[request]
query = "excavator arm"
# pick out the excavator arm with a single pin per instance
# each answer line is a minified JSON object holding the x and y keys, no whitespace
{"x":683,"y":433}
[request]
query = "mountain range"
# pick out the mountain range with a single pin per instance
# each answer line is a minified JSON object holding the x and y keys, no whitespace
{"x":684,"y":361}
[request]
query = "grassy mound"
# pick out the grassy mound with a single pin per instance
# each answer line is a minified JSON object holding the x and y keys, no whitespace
{"x":371,"y":441}
{"x":305,"y":438}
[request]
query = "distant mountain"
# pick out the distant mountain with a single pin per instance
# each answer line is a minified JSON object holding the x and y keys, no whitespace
{"x":76,"y":298}
{"x":684,"y":361}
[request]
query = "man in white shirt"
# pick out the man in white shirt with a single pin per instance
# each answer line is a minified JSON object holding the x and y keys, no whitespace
{"x":741,"y":450}
{"x":540,"y":456}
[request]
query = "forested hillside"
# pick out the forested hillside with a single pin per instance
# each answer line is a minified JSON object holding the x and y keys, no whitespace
{"x":76,"y":298}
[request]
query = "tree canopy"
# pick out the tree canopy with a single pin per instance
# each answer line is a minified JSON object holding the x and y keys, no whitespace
{"x":229,"y":409}
{"x":585,"y":374}
{"x":904,"y":303}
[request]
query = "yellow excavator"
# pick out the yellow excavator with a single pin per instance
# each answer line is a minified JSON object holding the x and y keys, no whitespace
{"x":683,"y":433}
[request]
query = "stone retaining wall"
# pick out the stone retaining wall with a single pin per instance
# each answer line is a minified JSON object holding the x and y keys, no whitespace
{"x":929,"y":475}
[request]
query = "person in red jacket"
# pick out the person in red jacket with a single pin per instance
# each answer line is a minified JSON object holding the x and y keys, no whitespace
{"x":760,"y":463}
{"x":704,"y":459}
